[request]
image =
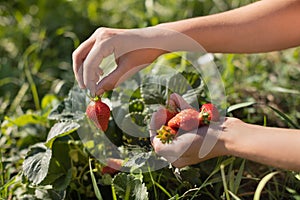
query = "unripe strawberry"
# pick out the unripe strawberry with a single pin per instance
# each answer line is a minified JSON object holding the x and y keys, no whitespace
{"x":166,"y":134}
{"x":99,"y":113}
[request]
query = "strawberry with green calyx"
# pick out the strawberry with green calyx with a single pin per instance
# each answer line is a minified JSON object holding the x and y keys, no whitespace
{"x":187,"y":120}
{"x":99,"y":113}
{"x":166,"y":134}
{"x":208,"y":113}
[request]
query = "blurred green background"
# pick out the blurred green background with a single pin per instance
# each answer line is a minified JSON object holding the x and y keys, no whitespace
{"x":37,"y":38}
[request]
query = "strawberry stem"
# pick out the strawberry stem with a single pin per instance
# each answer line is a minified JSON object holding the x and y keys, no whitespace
{"x":96,"y":98}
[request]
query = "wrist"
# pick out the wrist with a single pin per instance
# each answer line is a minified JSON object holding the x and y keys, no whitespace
{"x":229,"y":137}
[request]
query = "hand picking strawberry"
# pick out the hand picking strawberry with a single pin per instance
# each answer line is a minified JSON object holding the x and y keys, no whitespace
{"x":187,"y":119}
{"x":99,"y":113}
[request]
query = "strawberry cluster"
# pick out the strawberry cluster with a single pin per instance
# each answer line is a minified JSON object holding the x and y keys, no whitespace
{"x":187,"y":120}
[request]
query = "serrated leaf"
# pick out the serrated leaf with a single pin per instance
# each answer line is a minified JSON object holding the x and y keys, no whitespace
{"x":60,"y":129}
{"x":154,"y":89}
{"x":50,"y":194}
{"x":138,"y":160}
{"x":36,"y":163}
{"x":72,"y":108}
{"x":60,"y":167}
{"x":128,"y":186}
{"x":178,"y":84}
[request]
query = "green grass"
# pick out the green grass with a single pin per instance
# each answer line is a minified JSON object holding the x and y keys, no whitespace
{"x":36,"y":42}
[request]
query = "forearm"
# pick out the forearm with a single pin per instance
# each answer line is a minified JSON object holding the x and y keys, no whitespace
{"x":259,"y":27}
{"x":276,"y":147}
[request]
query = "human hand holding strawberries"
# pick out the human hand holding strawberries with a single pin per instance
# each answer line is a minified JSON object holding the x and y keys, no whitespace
{"x":184,"y":150}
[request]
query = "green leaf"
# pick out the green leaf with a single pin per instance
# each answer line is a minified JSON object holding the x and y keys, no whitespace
{"x":96,"y":189}
{"x":60,"y":167}
{"x":233,"y":195}
{"x":24,"y":120}
{"x":154,"y":89}
{"x":284,"y":90}
{"x":49,"y":101}
{"x":128,"y":186}
{"x":138,"y":160}
{"x":60,"y":129}
{"x":285,"y":117}
{"x":262,"y":184}
{"x":36,"y":163}
{"x":72,"y":108}
{"x":50,"y":194}
{"x":239,"y":177}
{"x":239,"y":106}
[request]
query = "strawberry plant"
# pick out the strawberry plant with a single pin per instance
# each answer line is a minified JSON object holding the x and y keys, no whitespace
{"x":51,"y":150}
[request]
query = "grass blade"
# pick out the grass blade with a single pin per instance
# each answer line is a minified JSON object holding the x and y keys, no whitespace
{"x":262,"y":184}
{"x":233,"y":195}
{"x":239,"y":177}
{"x":163,"y":189}
{"x":224,"y":182}
{"x":239,"y":106}
{"x":96,"y":189}
{"x":217,"y":168}
{"x":285,"y":117}
{"x":113,"y":191}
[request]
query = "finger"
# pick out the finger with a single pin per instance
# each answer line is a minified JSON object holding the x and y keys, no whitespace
{"x":179,"y":146}
{"x":158,"y":119}
{"x":121,"y":73}
{"x":93,"y":78}
{"x":79,"y":77}
{"x":179,"y":101}
{"x":78,"y":58}
{"x":91,"y":69}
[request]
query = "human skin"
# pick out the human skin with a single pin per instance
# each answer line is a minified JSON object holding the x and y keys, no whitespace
{"x":264,"y":26}
{"x":278,"y":147}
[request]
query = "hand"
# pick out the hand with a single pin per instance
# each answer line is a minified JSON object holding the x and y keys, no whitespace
{"x":186,"y":148}
{"x":132,"y":50}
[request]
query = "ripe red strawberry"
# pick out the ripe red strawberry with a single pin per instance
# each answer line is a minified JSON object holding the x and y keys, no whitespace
{"x":166,"y":134}
{"x":99,"y":113}
{"x":187,"y":120}
{"x":163,"y":115}
{"x":113,"y":166}
{"x":208,"y":112}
